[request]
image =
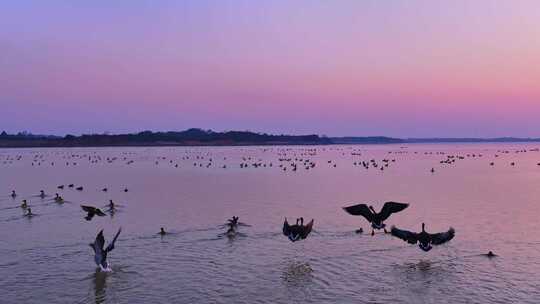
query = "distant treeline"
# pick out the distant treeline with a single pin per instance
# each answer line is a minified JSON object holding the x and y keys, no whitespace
{"x":200,"y":137}
{"x":191,"y":137}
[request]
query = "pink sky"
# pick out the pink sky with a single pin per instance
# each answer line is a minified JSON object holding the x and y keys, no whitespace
{"x":396,"y":68}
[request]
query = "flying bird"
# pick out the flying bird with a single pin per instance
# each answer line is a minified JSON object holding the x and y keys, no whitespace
{"x":92,"y":211}
{"x":425,"y":240}
{"x":376,"y":219}
{"x":100,"y":254}
{"x":298,"y":231}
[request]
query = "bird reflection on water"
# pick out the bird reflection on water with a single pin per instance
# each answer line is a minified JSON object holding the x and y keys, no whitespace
{"x":100,"y":286}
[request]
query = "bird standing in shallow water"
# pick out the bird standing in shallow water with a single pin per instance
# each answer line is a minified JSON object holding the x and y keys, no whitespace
{"x":376,"y":219}
{"x":425,"y":240}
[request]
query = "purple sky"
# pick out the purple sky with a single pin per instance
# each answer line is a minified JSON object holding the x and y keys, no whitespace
{"x":395,"y":68}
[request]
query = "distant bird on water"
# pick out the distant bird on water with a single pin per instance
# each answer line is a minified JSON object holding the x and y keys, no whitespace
{"x":29,"y":212}
{"x":13,"y":194}
{"x":79,"y":188}
{"x":376,"y":219}
{"x":100,"y":254}
{"x":425,"y":240}
{"x":298,"y":231}
{"x":92,"y":211}
{"x":490,"y":254}
{"x":58,"y":198}
{"x":41,"y":193}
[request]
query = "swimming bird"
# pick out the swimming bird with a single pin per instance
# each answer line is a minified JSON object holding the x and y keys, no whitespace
{"x":79,"y":188}
{"x":24,"y":204}
{"x":162,"y":231}
{"x":376,"y":219}
{"x":92,"y":211}
{"x":490,"y":254}
{"x":298,"y":231}
{"x":100,"y":254}
{"x":29,"y":212}
{"x":425,"y":240}
{"x":71,"y":185}
{"x":104,"y":189}
{"x":41,"y":193}
{"x":13,"y":194}
{"x":58,"y":198}
{"x":61,"y":187}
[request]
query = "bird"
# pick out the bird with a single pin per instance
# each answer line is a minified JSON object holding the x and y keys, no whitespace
{"x":79,"y":188}
{"x":13,"y":194}
{"x":24,"y":204}
{"x":233,"y":221}
{"x":112,"y":207}
{"x":104,"y":189}
{"x":376,"y":219}
{"x":92,"y":211}
{"x":61,"y":187}
{"x":29,"y":212}
{"x":58,"y":198}
{"x":100,"y":254}
{"x":298,"y":231}
{"x":490,"y":254}
{"x":41,"y":193}
{"x":425,"y":240}
{"x":162,"y":231}
{"x":71,"y":185}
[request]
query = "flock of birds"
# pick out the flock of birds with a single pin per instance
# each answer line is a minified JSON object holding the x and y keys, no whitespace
{"x":288,"y":159}
{"x":425,"y":240}
{"x":296,"y":232}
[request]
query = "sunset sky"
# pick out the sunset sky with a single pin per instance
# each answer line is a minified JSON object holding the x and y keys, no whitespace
{"x":395,"y":68}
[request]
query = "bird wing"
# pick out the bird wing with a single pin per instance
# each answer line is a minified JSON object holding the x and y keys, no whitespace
{"x":88,"y":208}
{"x":286,"y":228}
{"x":111,"y":245}
{"x":98,"y":247}
{"x":99,"y":212}
{"x":407,"y":236}
{"x":442,"y":237}
{"x":391,"y":207}
{"x":307,"y":229}
{"x":360,"y":209}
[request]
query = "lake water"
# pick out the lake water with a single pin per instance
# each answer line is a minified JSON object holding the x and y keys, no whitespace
{"x":46,"y":258}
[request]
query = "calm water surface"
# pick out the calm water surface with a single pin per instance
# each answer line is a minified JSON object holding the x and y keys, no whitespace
{"x":46,"y":259}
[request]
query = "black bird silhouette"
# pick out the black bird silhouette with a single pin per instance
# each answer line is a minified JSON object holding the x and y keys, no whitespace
{"x":79,"y":188}
{"x":92,"y":211}
{"x":425,"y":240}
{"x":100,"y":254}
{"x":298,"y":231}
{"x":376,"y":219}
{"x":60,"y":187}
